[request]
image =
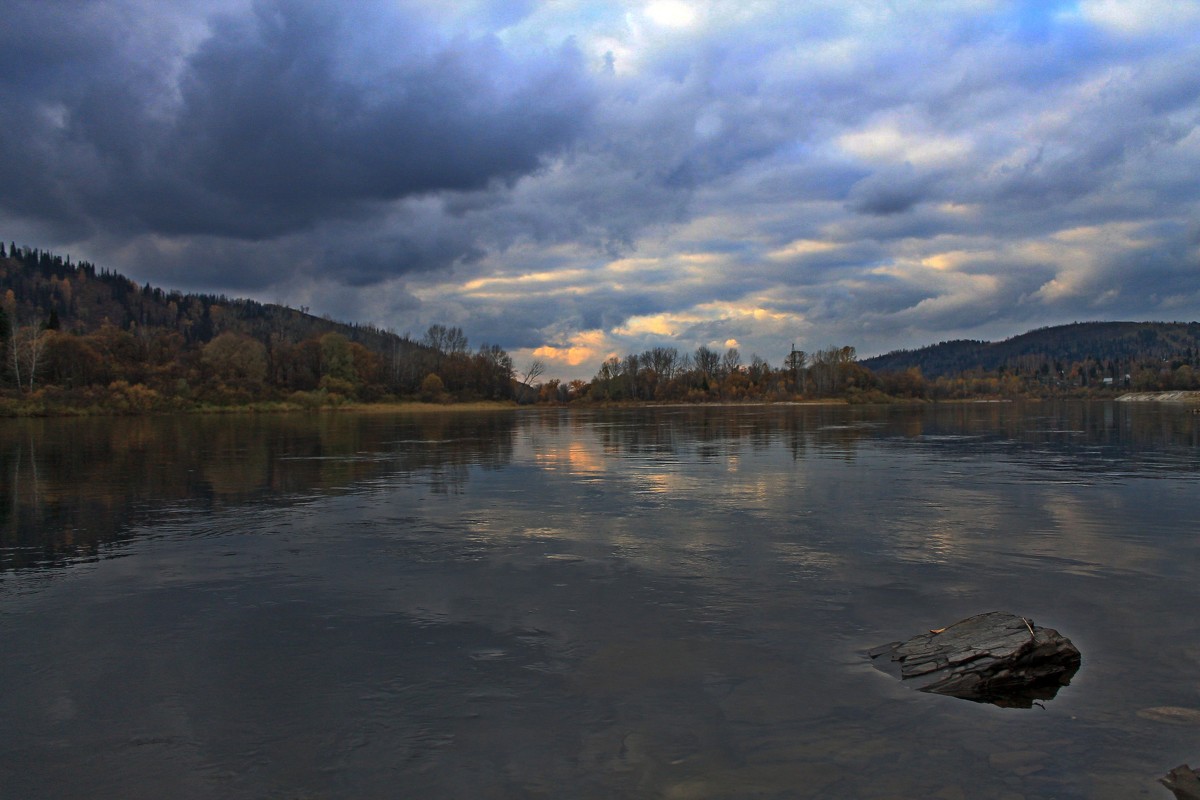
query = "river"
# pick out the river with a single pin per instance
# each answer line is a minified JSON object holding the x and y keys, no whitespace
{"x":643,"y":603}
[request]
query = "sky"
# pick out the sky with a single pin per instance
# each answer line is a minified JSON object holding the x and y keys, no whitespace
{"x":573,"y":179}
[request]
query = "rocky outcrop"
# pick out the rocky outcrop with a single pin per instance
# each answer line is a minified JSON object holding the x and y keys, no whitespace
{"x":1184,"y":782}
{"x":989,"y":658}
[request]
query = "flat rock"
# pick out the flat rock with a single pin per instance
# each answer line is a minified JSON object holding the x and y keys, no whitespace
{"x":1184,"y":782}
{"x":995,"y":657}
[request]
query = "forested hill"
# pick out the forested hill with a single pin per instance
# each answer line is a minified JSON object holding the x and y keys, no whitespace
{"x":1107,"y":349}
{"x":79,"y":298}
{"x":84,"y":336}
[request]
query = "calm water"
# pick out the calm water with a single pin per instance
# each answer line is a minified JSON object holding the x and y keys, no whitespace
{"x":668,"y":603}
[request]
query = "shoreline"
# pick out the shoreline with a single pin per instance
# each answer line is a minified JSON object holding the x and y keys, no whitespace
{"x":12,"y":409}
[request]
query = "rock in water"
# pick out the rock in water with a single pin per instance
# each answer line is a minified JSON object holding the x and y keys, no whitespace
{"x":1184,"y":782}
{"x":989,"y":658}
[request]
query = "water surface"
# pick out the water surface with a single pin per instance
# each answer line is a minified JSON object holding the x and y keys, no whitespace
{"x":639,"y":603}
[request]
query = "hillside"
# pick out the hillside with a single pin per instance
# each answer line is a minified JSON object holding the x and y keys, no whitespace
{"x":94,"y":334}
{"x":81,"y":298}
{"x":1093,"y":350}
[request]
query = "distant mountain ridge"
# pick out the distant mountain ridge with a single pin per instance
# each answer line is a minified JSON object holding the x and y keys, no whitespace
{"x":1110,"y":344}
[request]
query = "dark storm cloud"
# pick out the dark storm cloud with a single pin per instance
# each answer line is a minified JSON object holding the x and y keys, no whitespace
{"x":357,"y":253}
{"x":280,"y":117}
{"x":851,"y":170}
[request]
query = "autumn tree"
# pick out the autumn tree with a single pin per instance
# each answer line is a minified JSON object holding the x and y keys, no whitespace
{"x":433,"y":390}
{"x":552,"y":391}
{"x":492,"y":373}
{"x":336,"y":359}
{"x":72,"y":361}
{"x":577,"y":389}
{"x":8,"y":311}
{"x":120,"y":352}
{"x":297,"y":367}
{"x":4,"y":334}
{"x":608,"y":385}
{"x":237,"y":361}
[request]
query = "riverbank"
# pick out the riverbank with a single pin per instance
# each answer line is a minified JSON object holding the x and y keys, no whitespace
{"x":136,"y":401}
{"x":13,"y":408}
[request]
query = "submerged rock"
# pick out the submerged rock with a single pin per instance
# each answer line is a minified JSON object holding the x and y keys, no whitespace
{"x":989,"y":658}
{"x":1172,"y":714}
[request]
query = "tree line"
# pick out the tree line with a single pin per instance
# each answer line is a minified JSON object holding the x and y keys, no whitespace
{"x":706,"y":375}
{"x":75,"y":336}
{"x":665,"y":374}
{"x":1081,"y":358}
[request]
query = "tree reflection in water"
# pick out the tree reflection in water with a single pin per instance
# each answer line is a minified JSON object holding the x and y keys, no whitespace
{"x":73,"y":486}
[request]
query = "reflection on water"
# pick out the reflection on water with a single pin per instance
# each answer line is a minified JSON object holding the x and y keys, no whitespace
{"x":668,"y":602}
{"x":77,"y":484}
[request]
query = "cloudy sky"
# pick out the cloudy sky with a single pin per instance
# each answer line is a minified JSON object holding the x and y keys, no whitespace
{"x":575,"y":178}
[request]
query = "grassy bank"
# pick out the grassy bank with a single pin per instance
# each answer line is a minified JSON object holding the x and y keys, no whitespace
{"x":14,"y":407}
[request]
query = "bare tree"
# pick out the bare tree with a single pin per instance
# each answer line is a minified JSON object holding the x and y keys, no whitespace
{"x":26,"y":344}
{"x":664,"y":361}
{"x":435,"y":338}
{"x":631,"y":369}
{"x":731,"y":362}
{"x":456,"y":341}
{"x":532,"y":372}
{"x":707,"y":362}
{"x":760,"y":370}
{"x":797,"y":361}
{"x":446,"y":341}
{"x":34,"y":345}
{"x":14,"y":345}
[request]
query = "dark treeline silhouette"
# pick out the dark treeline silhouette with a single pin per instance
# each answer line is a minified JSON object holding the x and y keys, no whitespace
{"x":1083,"y":359}
{"x":666,"y":374}
{"x":73,"y":335}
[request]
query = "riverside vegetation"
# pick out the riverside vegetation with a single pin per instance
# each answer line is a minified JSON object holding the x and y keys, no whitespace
{"x":77,"y":339}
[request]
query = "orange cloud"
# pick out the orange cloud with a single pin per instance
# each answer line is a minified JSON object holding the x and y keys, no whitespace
{"x":583,"y":347}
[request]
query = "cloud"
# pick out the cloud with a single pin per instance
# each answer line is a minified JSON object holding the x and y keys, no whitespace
{"x":283,"y":115}
{"x":889,"y":191}
{"x":1140,"y":17}
{"x":576,"y":178}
